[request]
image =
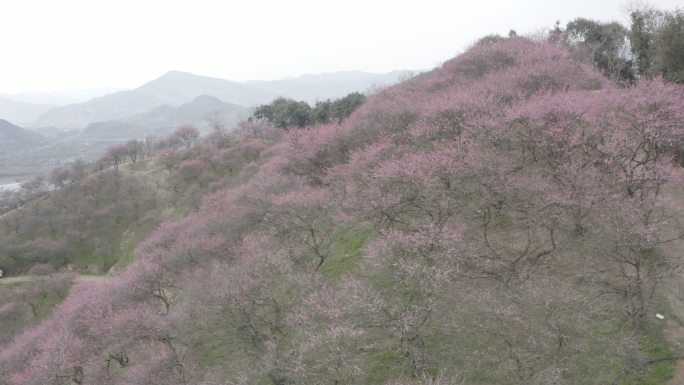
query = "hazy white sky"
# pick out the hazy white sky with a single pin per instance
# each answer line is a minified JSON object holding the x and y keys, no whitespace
{"x":48,"y":45}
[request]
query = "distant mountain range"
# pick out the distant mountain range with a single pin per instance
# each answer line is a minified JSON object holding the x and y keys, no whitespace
{"x":176,"y":88}
{"x":172,"y":89}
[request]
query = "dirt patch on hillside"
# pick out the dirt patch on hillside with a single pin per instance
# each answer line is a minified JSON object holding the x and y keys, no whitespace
{"x":28,"y":278}
{"x":19,"y":279}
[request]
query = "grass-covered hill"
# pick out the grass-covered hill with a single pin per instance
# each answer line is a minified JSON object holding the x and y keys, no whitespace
{"x":511,"y":217}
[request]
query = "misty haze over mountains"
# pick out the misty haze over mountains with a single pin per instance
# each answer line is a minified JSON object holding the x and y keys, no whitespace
{"x":83,"y":129}
{"x":61,"y":97}
{"x":21,"y":112}
{"x":25,"y":108}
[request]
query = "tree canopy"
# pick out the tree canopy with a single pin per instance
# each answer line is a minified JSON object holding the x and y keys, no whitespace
{"x":605,"y":44}
{"x":288,"y":113}
{"x":657,"y":40}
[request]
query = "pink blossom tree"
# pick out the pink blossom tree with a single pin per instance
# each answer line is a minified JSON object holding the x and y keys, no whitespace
{"x":187,"y":135}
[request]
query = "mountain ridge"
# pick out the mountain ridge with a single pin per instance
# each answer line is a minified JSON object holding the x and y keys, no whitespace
{"x":163,"y":119}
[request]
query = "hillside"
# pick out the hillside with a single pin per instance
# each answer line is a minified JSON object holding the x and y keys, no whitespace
{"x":16,"y":142}
{"x":511,"y":217}
{"x":12,"y":136}
{"x":65,"y":146}
{"x":24,"y":153}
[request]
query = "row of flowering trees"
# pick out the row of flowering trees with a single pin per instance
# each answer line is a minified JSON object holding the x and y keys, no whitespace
{"x":505,"y":219}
